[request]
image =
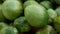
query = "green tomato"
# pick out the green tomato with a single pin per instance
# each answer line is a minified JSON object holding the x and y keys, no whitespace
{"x":9,"y":30}
{"x":36,"y":15}
{"x":46,"y":4}
{"x":46,"y":30}
{"x":22,"y":25}
{"x":52,"y":15}
{"x":12,"y":9}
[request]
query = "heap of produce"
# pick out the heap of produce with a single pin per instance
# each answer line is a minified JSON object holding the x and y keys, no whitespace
{"x":29,"y":16}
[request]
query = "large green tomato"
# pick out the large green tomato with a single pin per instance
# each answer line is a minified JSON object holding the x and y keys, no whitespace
{"x":36,"y":15}
{"x":12,"y":9}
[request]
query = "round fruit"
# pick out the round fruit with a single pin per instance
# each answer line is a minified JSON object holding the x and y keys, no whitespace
{"x":2,"y":25}
{"x":12,"y":9}
{"x":46,"y":4}
{"x":36,"y":15}
{"x":9,"y":30}
{"x":27,"y":3}
{"x":52,"y":15}
{"x":47,"y":30}
{"x":22,"y":25}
